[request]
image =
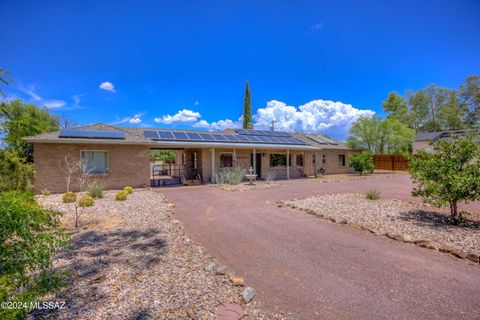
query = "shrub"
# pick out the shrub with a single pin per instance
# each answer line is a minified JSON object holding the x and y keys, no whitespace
{"x":270,"y":176}
{"x":95,"y":190}
{"x":69,"y":197}
{"x":373,"y":194}
{"x":121,"y":196}
{"x":449,"y":175}
{"x":128,"y":189}
{"x":362,"y":162}
{"x":86,"y":201}
{"x":15,"y":172}
{"x":230,"y":175}
{"x":29,"y":236}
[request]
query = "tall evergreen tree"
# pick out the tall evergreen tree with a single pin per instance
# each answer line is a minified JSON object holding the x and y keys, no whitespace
{"x":247,"y":108}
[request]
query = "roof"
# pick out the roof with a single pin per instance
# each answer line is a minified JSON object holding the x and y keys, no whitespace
{"x":434,"y":136}
{"x":136,"y":136}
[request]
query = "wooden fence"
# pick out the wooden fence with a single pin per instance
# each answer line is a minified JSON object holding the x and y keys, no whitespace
{"x":389,"y":162}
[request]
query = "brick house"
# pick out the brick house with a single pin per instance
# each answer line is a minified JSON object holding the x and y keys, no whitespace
{"x":426,"y":141}
{"x":120,"y":156}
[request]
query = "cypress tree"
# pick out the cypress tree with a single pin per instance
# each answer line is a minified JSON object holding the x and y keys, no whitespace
{"x":247,"y":108}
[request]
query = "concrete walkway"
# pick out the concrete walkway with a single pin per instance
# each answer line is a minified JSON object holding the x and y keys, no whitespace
{"x":318,"y":270}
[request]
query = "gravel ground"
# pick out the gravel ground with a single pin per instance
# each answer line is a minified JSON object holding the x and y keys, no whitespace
{"x":245,"y":186}
{"x":132,"y":260}
{"x":355,"y":176}
{"x":394,"y":217}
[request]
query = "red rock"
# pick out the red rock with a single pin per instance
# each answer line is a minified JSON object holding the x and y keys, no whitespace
{"x":229,"y":311}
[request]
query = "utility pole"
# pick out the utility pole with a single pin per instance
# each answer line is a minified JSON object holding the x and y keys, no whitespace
{"x":272,"y":128}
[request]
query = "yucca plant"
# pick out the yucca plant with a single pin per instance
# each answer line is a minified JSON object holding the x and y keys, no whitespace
{"x":95,"y":190}
{"x":373,"y":194}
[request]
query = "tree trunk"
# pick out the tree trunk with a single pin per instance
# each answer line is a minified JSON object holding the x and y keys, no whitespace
{"x":454,"y":211}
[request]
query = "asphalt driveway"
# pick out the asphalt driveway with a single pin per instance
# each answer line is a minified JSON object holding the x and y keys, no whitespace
{"x":319,"y":270}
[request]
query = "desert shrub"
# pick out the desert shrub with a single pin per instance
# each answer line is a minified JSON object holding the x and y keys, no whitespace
{"x":362,"y":162}
{"x":86,"y":201}
{"x":29,"y":236}
{"x":121,"y":196}
{"x":128,"y":189}
{"x":69,"y":197}
{"x":15,"y":173}
{"x":270,"y":176}
{"x":45,"y":192}
{"x":230,"y":175}
{"x":373,"y":194}
{"x":95,"y":190}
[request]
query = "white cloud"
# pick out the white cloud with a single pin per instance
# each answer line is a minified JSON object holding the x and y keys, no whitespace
{"x":317,"y":26}
{"x":135,"y":119}
{"x":108,"y":86}
{"x":184,"y":116}
{"x":317,"y":116}
{"x":196,"y":103}
{"x":54,"y":104}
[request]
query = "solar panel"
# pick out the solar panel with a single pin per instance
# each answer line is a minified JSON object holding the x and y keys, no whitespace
{"x":151,"y":134}
{"x":219,"y":137}
{"x":193,"y":136}
{"x":92,"y":134}
{"x":206,"y":136}
{"x":180,"y":135}
{"x":252,"y":132}
{"x":167,"y":135}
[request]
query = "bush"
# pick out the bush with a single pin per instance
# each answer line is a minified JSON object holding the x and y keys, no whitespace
{"x":95,"y":190}
{"x":373,"y":194}
{"x":29,"y":236}
{"x":362,"y":162}
{"x":128,"y":189}
{"x":69,"y":197}
{"x":86,"y":201}
{"x":230,"y":175}
{"x":15,"y":173}
{"x":121,"y":196}
{"x":270,"y":176}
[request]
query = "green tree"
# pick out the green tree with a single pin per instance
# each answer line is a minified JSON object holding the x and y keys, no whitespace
{"x":15,"y":173}
{"x":247,"y":108}
{"x":419,"y":108}
{"x":362,"y":162}
{"x":29,"y":236}
{"x":167,"y":156}
{"x":469,"y":94}
{"x":396,"y":106}
{"x":5,"y":79}
{"x":18,"y":120}
{"x":449,"y":175}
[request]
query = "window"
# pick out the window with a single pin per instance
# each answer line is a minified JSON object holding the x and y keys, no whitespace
{"x":226,"y":159}
{"x":95,"y":161}
{"x":324,"y":158}
{"x":279,"y":160}
{"x":341,"y":160}
{"x":183,"y":158}
{"x":299,"y":160}
{"x":314,"y":158}
{"x":194,"y":160}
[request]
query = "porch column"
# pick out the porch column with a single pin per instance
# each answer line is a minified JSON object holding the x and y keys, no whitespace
{"x":254,"y":160}
{"x":213,"y":166}
{"x":288,"y":164}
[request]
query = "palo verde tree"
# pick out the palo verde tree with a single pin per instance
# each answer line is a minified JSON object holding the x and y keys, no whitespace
{"x":5,"y":79}
{"x":362,"y":162}
{"x":247,"y":108}
{"x":449,"y":175}
{"x":18,"y":120}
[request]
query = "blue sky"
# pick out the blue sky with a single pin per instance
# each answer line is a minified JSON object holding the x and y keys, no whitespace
{"x":163,"y":57}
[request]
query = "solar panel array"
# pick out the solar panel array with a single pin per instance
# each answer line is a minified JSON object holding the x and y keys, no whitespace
{"x":219,"y":137}
{"x":270,"y":133}
{"x":92,"y":134}
{"x":321,"y":139}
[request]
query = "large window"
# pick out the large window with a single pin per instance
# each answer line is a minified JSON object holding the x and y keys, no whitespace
{"x":279,"y":160}
{"x":194,"y":160}
{"x":96,"y":162}
{"x":226,"y":159}
{"x":341,"y":160}
{"x":299,"y":159}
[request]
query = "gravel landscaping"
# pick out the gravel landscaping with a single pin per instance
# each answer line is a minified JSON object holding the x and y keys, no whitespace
{"x":245,"y":186}
{"x":355,"y":176}
{"x":423,"y":225}
{"x":132,"y":260}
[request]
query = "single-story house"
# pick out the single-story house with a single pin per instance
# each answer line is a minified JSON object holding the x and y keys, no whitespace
{"x":426,"y":141}
{"x":120,"y":156}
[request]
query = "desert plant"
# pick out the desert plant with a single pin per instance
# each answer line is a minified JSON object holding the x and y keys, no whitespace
{"x":15,"y":172}
{"x":121,"y":196}
{"x":362,"y":162}
{"x":95,"y":190}
{"x":128,"y":189}
{"x":29,"y":236}
{"x":270,"y":176}
{"x":448,"y":175}
{"x":45,"y":192}
{"x":69,"y":197}
{"x":373,"y":194}
{"x":86,"y":201}
{"x":230,"y":175}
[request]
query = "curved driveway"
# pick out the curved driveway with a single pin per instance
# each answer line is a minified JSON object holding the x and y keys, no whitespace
{"x":318,"y":270}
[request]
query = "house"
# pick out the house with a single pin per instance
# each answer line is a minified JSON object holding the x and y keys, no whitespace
{"x":120,"y":156}
{"x":426,"y":141}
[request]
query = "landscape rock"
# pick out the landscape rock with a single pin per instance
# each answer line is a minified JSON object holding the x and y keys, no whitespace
{"x":210,"y":266}
{"x":221,"y":270}
{"x":473,"y":257}
{"x":248,"y":294}
{"x":237,"y":281}
{"x":229,"y":311}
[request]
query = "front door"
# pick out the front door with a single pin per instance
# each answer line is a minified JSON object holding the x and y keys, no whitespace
{"x":258,"y":164}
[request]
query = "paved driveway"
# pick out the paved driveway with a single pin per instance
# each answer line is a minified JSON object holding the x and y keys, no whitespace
{"x":319,"y":270}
